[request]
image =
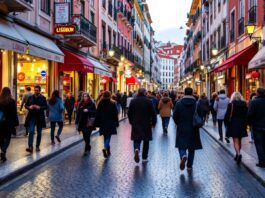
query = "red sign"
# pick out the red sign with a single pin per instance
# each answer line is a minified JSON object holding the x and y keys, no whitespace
{"x":64,"y":29}
{"x":21,"y":76}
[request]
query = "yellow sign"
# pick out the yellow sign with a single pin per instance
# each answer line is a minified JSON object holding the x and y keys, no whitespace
{"x":69,"y":29}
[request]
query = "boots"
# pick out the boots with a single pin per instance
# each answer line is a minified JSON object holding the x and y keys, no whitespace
{"x":3,"y":157}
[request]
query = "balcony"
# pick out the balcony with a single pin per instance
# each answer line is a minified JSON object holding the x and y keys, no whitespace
{"x":252,"y":15}
{"x":241,"y":26}
{"x":85,"y":34}
{"x":7,"y":6}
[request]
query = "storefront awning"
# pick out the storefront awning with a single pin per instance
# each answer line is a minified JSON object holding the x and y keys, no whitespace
{"x":10,"y":39}
{"x":240,"y":58}
{"x":75,"y":62}
{"x":258,"y":61}
{"x":100,"y":68}
{"x":131,"y":80}
{"x":40,"y":46}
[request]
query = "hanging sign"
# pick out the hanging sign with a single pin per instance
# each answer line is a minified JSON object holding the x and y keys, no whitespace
{"x":61,"y":13}
{"x":21,"y":76}
{"x":64,"y":29}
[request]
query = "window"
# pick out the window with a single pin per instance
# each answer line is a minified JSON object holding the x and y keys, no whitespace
{"x":104,"y":46}
{"x":92,"y":3}
{"x":114,"y":38}
{"x":232,"y":26}
{"x":109,"y":35}
{"x":241,"y":24}
{"x":104,"y":4}
{"x":45,"y":6}
{"x":92,"y":17}
{"x":82,"y":7}
{"x":252,"y":11}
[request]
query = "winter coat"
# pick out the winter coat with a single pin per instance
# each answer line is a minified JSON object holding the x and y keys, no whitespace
{"x":213,"y":112}
{"x":24,"y":99}
{"x":187,"y":136}
{"x":142,"y":117}
{"x":236,"y":119}
{"x":69,"y":103}
{"x":165,"y":106}
{"x":155,"y":103}
{"x":123,"y":101}
{"x":256,"y":114}
{"x":34,"y":114}
{"x":55,"y":111}
{"x":107,"y":117}
{"x":204,"y":105}
{"x":82,"y":117}
{"x":9,"y":111}
{"x":220,"y":106}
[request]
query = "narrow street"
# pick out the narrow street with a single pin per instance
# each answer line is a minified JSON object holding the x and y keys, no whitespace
{"x":215,"y":173}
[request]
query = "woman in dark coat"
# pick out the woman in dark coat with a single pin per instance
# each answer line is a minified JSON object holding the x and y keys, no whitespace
{"x":69,"y":106}
{"x":8,"y":120}
{"x":85,"y":116}
{"x":205,"y":106}
{"x":213,"y":112}
{"x":107,"y":120}
{"x":188,"y":137}
{"x":236,"y":122}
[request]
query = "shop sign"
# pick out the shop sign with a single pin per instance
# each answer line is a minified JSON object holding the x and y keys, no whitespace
{"x":61,"y":13}
{"x":43,"y":73}
{"x":64,"y":29}
{"x":21,"y":76}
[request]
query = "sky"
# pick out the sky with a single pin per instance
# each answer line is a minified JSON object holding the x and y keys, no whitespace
{"x":168,"y":16}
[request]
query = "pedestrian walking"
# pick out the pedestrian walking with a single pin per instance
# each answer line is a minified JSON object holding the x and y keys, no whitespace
{"x":107,"y":120}
{"x":204,"y":104}
{"x":212,"y":110}
{"x":256,"y":119}
{"x":252,"y":97}
{"x":8,"y":120}
{"x":69,"y":104}
{"x":220,"y":106}
{"x":85,"y":119}
{"x":236,"y":122}
{"x":154,"y":101}
{"x":23,"y":102}
{"x":188,"y":137}
{"x":165,"y":106}
{"x":173,"y":97}
{"x":55,"y":114}
{"x":100,"y":96}
{"x":123,"y":104}
{"x":118,"y":100}
{"x":36,"y":105}
{"x":142,"y":117}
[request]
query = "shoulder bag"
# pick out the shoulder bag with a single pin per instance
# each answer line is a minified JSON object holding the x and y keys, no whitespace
{"x":197,"y":120}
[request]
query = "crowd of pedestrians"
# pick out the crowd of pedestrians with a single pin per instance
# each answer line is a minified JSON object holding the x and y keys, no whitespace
{"x":188,"y":110}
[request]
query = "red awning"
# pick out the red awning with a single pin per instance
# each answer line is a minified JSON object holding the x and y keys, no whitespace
{"x":240,"y":58}
{"x":75,"y":62}
{"x":131,"y":81}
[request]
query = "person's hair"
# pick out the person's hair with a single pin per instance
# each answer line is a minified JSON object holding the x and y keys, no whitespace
{"x":54,"y":96}
{"x":5,"y":96}
{"x":85,"y":94}
{"x":214,"y":95}
{"x":28,"y":88}
{"x":165,"y":94}
{"x":261,"y":92}
{"x":188,"y":91}
{"x":130,"y":94}
{"x":37,"y":87}
{"x":106,"y":95}
{"x":236,"y":96}
{"x":222,"y":91}
{"x":203,"y":95}
{"x":142,"y":92}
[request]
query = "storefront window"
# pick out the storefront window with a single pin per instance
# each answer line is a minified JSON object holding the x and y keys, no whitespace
{"x":67,"y":82}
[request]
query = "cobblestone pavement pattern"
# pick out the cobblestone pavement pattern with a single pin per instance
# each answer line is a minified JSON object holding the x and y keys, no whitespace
{"x":215,"y":173}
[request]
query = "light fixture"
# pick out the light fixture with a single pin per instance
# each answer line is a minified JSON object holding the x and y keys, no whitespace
{"x":111,"y":53}
{"x":202,"y":67}
{"x":122,"y":58}
{"x":28,"y":58}
{"x":214,"y":51}
{"x":250,"y":28}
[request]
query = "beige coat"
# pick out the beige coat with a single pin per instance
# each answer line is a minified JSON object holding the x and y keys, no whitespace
{"x":165,"y":106}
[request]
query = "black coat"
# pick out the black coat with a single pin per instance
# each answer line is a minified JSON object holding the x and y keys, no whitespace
{"x":187,"y":136}
{"x":236,"y":119}
{"x":256,"y":113}
{"x":107,"y":117}
{"x":38,"y":115}
{"x":69,"y":103}
{"x":82,"y":117}
{"x":142,"y":117}
{"x":11,"y":118}
{"x":124,"y":100}
{"x":204,"y":105}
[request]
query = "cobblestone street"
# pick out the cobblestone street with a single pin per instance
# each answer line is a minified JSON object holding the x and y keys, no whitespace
{"x":215,"y":173}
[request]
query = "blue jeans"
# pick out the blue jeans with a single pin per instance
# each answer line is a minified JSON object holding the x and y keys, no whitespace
{"x":53,"y":124}
{"x":137,"y":145}
{"x":107,"y":141}
{"x":31,"y":129}
{"x":183,"y":152}
{"x":165,"y":122}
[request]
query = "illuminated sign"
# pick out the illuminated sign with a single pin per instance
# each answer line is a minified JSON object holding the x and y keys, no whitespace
{"x":66,"y":29}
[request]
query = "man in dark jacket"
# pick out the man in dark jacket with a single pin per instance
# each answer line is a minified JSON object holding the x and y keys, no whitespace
{"x":188,"y":137}
{"x":256,"y":119}
{"x":36,"y":105}
{"x":69,"y":105}
{"x":142,"y":117}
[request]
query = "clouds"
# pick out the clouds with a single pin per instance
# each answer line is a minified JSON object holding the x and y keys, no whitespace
{"x":168,"y":16}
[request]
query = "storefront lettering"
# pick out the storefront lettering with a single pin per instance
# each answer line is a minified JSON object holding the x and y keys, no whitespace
{"x":70,"y":29}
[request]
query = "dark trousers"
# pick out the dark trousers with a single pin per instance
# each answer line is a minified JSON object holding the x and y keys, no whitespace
{"x":86,"y":136}
{"x":69,"y":113}
{"x":259,"y":139}
{"x":214,"y":116}
{"x":137,"y":145}
{"x":165,"y":122}
{"x":107,"y":141}
{"x":220,"y":128}
{"x":5,"y":137}
{"x":191,"y":154}
{"x":31,"y":129}
{"x":53,"y":124}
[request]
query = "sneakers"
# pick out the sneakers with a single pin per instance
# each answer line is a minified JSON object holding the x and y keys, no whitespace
{"x":136,"y":156}
{"x":58,"y":138}
{"x":105,"y":154}
{"x":183,"y":162}
{"x":3,"y":157}
{"x":227,"y":140}
{"x":29,"y":149}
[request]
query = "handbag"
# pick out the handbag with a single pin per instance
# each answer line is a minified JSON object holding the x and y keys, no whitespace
{"x":197,"y":120}
{"x":90,"y":122}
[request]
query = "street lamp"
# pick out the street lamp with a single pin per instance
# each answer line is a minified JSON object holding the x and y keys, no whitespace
{"x":250,"y":28}
{"x":111,"y":53}
{"x":202,"y":67}
{"x":214,"y":51}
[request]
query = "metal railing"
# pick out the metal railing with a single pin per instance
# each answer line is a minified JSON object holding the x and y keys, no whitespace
{"x":252,"y":14}
{"x":241,"y":26}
